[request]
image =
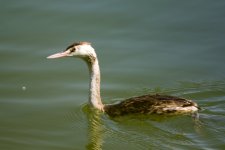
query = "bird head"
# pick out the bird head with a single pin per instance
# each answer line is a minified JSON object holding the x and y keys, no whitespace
{"x":80,"y":49}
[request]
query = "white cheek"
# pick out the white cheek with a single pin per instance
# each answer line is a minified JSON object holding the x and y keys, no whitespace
{"x":80,"y":52}
{"x":84,"y":50}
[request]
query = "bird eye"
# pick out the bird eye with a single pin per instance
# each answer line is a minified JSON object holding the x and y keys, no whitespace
{"x":72,"y":49}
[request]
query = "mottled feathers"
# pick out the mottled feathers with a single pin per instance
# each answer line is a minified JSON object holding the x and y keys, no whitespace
{"x":151,"y":104}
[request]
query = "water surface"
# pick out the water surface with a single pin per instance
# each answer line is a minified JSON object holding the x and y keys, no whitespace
{"x":170,"y":47}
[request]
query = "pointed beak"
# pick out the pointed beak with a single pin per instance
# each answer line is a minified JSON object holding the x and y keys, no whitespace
{"x":59,"y":55}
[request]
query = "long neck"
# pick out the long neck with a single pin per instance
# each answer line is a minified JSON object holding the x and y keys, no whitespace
{"x":94,"y":93}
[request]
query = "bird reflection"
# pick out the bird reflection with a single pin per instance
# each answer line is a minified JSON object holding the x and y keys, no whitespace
{"x":95,"y":129}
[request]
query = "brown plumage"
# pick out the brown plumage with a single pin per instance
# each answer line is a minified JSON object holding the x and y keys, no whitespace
{"x":151,"y":104}
{"x":77,"y":43}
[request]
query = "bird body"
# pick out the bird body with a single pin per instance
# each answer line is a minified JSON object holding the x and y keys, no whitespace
{"x":151,"y":104}
{"x":146,"y":104}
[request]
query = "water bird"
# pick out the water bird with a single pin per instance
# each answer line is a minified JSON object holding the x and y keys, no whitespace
{"x":146,"y":104}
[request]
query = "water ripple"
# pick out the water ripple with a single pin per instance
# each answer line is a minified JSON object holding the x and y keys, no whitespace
{"x":182,"y":132}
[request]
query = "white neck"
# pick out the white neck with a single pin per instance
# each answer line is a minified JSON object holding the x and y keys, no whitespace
{"x":94,"y":93}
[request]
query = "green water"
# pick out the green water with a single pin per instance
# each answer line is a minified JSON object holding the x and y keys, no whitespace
{"x":172,"y":47}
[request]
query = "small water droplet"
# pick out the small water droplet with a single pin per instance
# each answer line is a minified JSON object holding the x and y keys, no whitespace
{"x":24,"y":88}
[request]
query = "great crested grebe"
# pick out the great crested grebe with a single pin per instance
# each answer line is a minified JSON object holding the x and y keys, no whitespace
{"x":146,"y":104}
